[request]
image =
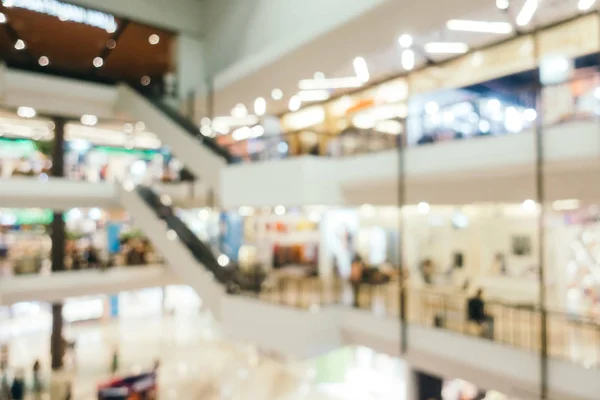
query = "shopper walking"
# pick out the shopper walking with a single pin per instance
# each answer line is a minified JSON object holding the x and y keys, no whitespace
{"x":17,"y":390}
{"x":114,"y":367}
{"x":37,"y":381}
{"x":356,"y":274}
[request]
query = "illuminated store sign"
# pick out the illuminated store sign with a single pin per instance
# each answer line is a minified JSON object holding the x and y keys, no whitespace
{"x":67,"y":12}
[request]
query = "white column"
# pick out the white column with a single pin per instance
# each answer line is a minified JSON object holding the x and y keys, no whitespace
{"x":410,"y":379}
{"x":190,"y":67}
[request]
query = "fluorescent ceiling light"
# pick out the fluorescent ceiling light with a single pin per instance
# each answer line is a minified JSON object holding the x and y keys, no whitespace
{"x":313,"y":95}
{"x":260,"y":106}
{"x":408,"y":59}
{"x":248,"y":133}
{"x":585,"y":5}
{"x":89,"y":120}
{"x":26,"y":112}
{"x":295,"y":103}
{"x":332,"y":83}
{"x":361,"y":69}
{"x":527,"y":12}
{"x":304,"y":118}
{"x":446,"y":48}
{"x":479,"y":26}
{"x":235,"y":121}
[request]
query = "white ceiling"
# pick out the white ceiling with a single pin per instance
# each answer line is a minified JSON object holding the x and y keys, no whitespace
{"x":373,"y":35}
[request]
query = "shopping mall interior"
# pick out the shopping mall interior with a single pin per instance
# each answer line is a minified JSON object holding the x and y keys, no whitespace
{"x":300,"y":200}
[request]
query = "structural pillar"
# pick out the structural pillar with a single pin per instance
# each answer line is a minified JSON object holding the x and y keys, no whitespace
{"x":58,"y":238}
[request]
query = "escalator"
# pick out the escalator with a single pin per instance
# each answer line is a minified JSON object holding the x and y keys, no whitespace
{"x":201,"y":155}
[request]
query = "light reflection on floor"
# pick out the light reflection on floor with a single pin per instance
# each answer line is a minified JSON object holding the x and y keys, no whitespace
{"x":195,"y":362}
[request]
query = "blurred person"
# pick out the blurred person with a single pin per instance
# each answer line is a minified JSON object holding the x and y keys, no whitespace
{"x":477,"y":317}
{"x":137,"y":254}
{"x":114,"y":365}
{"x":17,"y":389}
{"x":37,"y":381}
{"x":91,"y":256}
{"x":356,"y":274}
{"x":76,"y":259}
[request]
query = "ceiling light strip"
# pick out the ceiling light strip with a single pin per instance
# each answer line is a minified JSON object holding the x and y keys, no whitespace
{"x":479,"y":26}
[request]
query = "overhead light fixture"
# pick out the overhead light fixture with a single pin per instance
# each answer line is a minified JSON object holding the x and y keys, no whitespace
{"x":585,"y":5}
{"x":154,"y":39}
{"x":304,"y":118}
{"x":307,"y":96}
{"x":111,"y":44}
{"x":527,"y":12}
{"x":276,"y":94}
{"x":260,"y":106}
{"x":479,"y":26}
{"x":389,"y":126}
{"x":239,"y":111}
{"x":405,"y":41}
{"x":446,"y":48}
{"x":43,"y":61}
{"x":145,"y":80}
{"x":279,"y":210}
{"x":319,"y":75}
{"x":26,"y":112}
{"x":89,"y":120}
{"x":98,"y":62}
{"x":19,"y":44}
{"x":223,"y":260}
{"x":295,"y":103}
{"x":2,"y":18}
{"x":361,"y":69}
{"x":331,"y":83}
{"x":408,"y":59}
{"x":502,"y":4}
{"x":248,"y":133}
{"x":227,"y":121}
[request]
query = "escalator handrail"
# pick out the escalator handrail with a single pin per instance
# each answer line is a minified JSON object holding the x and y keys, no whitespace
{"x":183,"y":122}
{"x":198,"y":249}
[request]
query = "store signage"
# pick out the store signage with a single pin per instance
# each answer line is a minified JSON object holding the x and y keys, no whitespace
{"x":67,"y":12}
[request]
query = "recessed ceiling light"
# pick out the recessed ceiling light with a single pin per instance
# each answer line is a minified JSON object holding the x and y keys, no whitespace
{"x":502,"y":4}
{"x":446,"y":48}
{"x":295,"y":103}
{"x":527,"y":12}
{"x":44,"y":61}
{"x":111,"y":44}
{"x":89,"y":119}
{"x":19,"y":44}
{"x":26,"y":112}
{"x":98,"y":62}
{"x":408,"y":59}
{"x":154,"y":39}
{"x":405,"y":41}
{"x":2,"y":18}
{"x":361,"y":69}
{"x":260,"y":106}
{"x":585,"y":5}
{"x":479,"y":26}
{"x":276,"y":94}
{"x":145,"y":81}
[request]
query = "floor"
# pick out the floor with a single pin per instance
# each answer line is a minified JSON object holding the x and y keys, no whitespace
{"x":195,"y":362}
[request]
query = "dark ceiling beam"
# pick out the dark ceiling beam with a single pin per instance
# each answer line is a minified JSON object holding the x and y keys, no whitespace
{"x":106,"y":51}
